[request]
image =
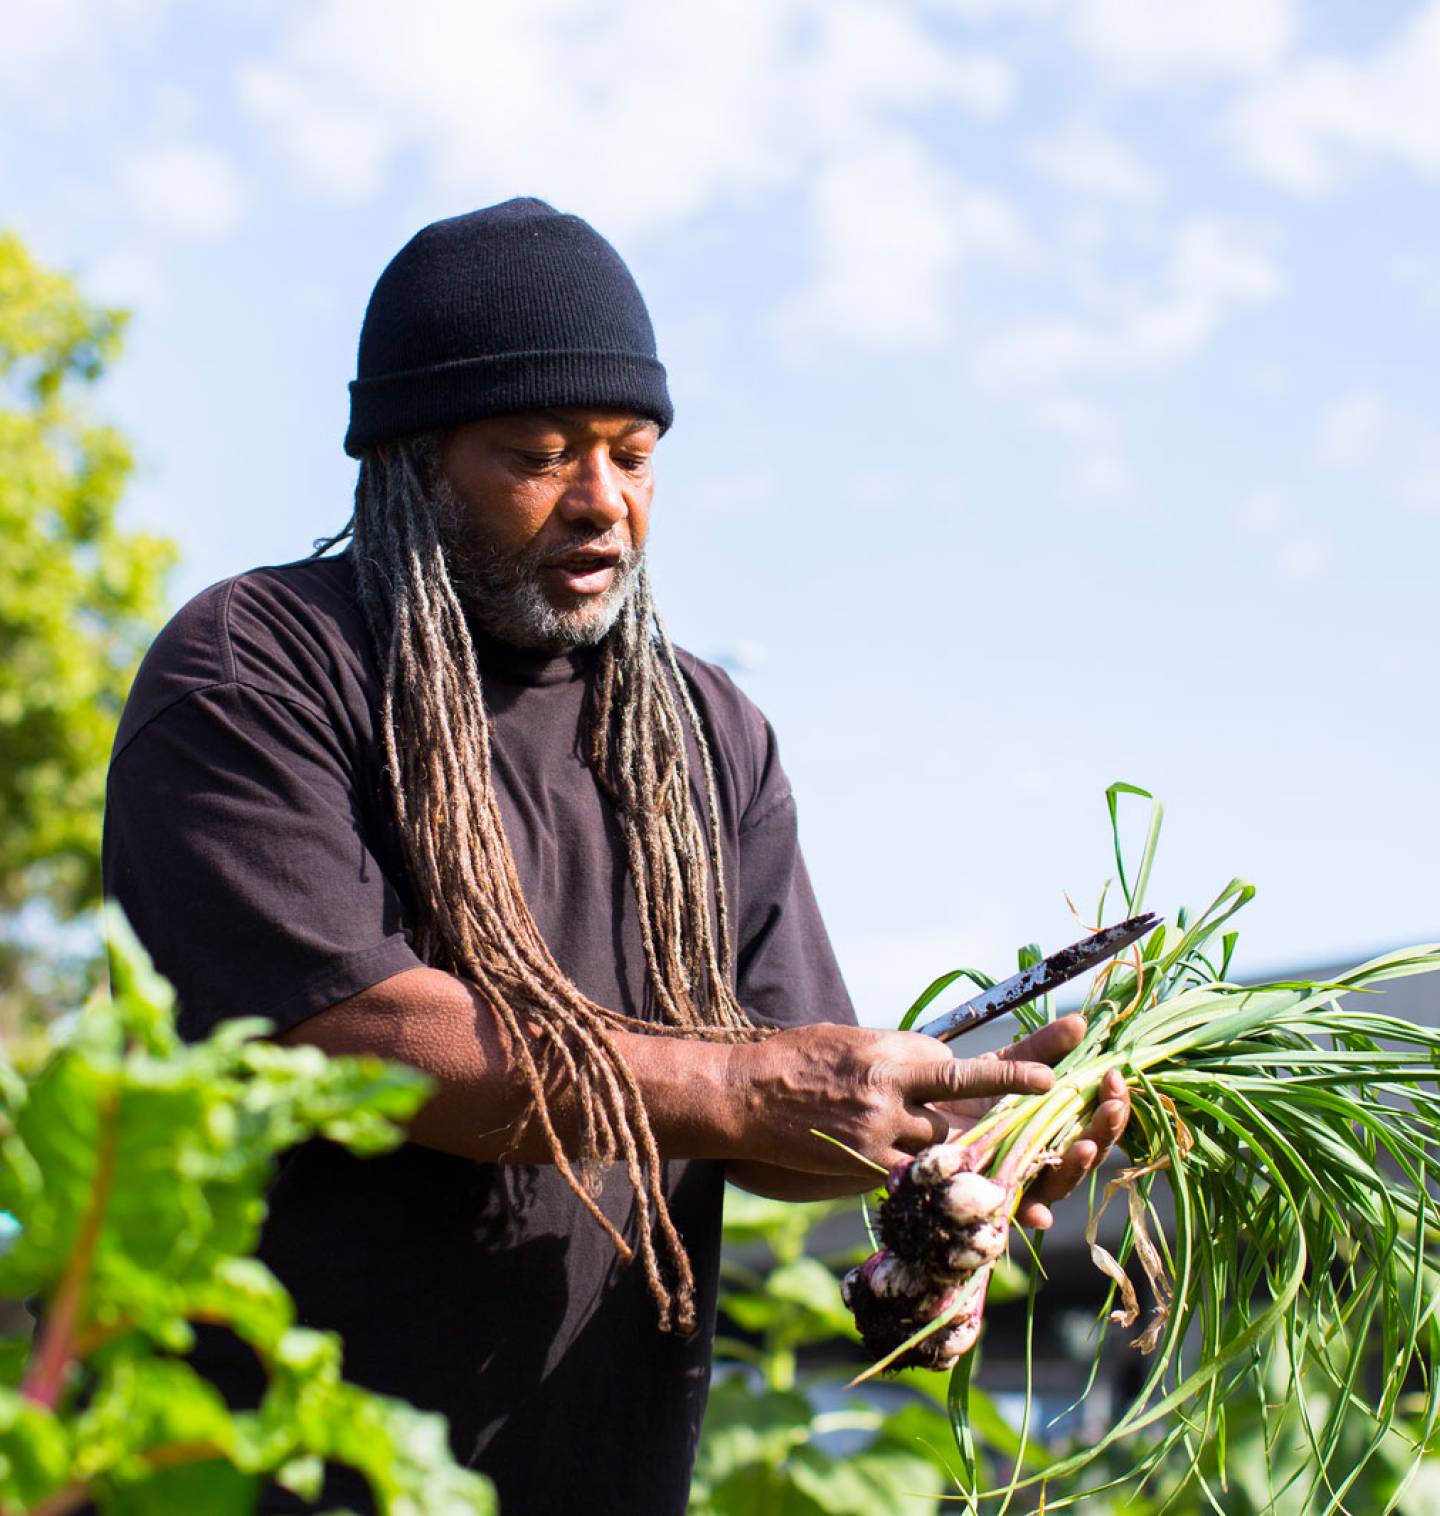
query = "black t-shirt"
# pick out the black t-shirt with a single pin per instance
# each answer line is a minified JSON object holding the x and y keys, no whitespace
{"x":248,"y":836}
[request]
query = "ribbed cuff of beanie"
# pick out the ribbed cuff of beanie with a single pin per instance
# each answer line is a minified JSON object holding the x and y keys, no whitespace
{"x":471,"y":389}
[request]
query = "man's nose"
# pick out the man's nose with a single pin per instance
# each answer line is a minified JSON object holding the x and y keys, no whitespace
{"x":595,"y":495}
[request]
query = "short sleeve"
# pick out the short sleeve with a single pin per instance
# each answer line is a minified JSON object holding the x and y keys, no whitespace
{"x":786,"y":969}
{"x":238,"y":842}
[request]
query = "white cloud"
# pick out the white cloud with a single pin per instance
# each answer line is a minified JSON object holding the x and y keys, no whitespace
{"x":58,"y":56}
{"x":342,"y":146}
{"x":184,"y":188}
{"x":482,"y":103}
{"x":639,"y":115}
{"x":893,"y":229}
{"x":1099,"y":469}
{"x":873,"y":490}
{"x":1323,"y":116}
{"x":983,"y":83}
{"x":876,"y":492}
{"x":1305,"y":556}
{"x":1213,"y":268}
{"x":1350,"y":431}
{"x":1149,"y":44}
{"x":1397,"y":455}
{"x":990,"y":10}
{"x":37,"y":34}
{"x":1086,"y":158}
{"x":743,"y":657}
{"x":693,"y":346}
{"x":649,"y":116}
{"x":1214,"y":262}
{"x":1295,"y":546}
{"x":128,"y":276}
{"x":1265,"y":511}
{"x":1085,"y":232}
{"x":864,"y":57}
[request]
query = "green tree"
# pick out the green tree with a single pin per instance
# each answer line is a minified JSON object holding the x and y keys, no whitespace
{"x":80,"y":598}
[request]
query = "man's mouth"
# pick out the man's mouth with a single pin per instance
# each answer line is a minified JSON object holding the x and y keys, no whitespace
{"x":585,"y":571}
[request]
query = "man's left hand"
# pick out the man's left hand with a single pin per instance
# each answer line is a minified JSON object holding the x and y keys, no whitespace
{"x":1049,"y":1045}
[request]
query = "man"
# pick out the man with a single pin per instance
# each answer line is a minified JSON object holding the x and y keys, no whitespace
{"x":454,"y":798}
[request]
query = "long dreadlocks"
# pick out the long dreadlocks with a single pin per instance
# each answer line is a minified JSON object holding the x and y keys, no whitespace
{"x":472,"y":918}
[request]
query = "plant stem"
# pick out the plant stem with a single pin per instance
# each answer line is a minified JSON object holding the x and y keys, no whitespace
{"x":62,"y":1502}
{"x":45,"y":1377}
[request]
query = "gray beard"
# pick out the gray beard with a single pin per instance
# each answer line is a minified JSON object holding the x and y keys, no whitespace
{"x":501,"y":592}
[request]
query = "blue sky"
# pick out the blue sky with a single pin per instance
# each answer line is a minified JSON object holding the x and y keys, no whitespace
{"x":1054,"y":378}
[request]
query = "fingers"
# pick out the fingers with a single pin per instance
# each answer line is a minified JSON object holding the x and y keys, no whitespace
{"x":1114,"y":1112}
{"x":1089,"y":1150}
{"x":890,"y":1158}
{"x":1031,"y":1214}
{"x":924,"y":1126}
{"x":1049,"y":1043}
{"x":921,"y":1128}
{"x":1056,"y":1183}
{"x":1085,"y":1154}
{"x":967,"y":1078}
{"x":1107,"y":1125}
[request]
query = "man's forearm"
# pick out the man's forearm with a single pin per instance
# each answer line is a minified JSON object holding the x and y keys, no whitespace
{"x":759,"y":1104}
{"x":436,"y":1023}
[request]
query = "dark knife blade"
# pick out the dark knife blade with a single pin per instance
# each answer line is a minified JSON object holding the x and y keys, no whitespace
{"x":1029,"y":984}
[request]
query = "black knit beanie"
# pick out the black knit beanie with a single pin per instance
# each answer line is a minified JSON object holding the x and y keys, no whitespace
{"x":510,"y":308}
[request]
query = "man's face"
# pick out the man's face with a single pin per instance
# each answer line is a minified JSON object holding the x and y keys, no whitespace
{"x":547,"y":518}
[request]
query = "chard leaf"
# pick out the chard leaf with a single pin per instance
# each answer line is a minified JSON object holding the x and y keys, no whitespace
{"x":136,"y":1167}
{"x":34,"y":1451}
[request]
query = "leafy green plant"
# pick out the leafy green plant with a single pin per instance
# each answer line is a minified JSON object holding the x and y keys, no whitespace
{"x":761,"y":1418}
{"x":1298,"y":1140}
{"x":775,"y":1443}
{"x":1264,"y":1467}
{"x":764,"y":1447}
{"x":136,"y":1167}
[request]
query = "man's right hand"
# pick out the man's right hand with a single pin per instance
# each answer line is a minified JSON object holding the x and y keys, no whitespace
{"x":871,"y":1090}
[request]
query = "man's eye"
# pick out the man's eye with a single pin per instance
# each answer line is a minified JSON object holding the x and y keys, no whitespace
{"x":634,"y":463}
{"x":542,"y":460}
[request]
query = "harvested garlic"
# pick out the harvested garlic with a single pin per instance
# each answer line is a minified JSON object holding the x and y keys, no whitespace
{"x":891,"y":1301}
{"x":938,"y":1215}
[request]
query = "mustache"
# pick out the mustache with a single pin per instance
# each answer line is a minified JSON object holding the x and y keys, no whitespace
{"x":581,"y":542}
{"x":482,"y":568}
